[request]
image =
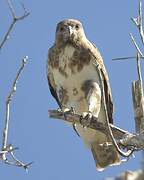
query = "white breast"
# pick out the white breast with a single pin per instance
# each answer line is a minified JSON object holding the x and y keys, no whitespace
{"x":65,"y":57}
{"x":74,"y":80}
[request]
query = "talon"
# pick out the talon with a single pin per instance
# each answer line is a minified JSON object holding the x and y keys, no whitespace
{"x":59,"y":110}
{"x":85,"y":119}
{"x":72,"y":110}
{"x":87,"y":115}
{"x":65,"y":111}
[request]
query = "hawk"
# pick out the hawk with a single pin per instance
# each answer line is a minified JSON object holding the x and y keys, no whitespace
{"x":74,"y":81}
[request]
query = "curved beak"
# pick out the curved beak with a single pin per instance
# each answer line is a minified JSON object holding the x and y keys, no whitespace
{"x":70,"y":30}
{"x":68,"y":34}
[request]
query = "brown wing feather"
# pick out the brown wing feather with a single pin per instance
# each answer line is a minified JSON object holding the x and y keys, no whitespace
{"x":108,"y":98}
{"x":53,"y":92}
{"x":107,"y":89}
{"x":50,"y":78}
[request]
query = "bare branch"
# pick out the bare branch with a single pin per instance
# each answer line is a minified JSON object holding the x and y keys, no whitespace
{"x":15,"y":19}
{"x":19,"y":163}
{"x":138,"y":99}
{"x":123,"y":138}
{"x":125,"y":58}
{"x":94,"y":124}
{"x":8,"y":149}
{"x":11,"y":8}
{"x":8,"y":100}
{"x":139,"y":74}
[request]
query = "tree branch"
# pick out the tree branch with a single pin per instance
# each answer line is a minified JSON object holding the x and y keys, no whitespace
{"x":8,"y":100}
{"x":123,"y":138}
{"x":94,"y":124}
{"x":15,"y":19}
{"x":8,"y":149}
{"x":125,"y":58}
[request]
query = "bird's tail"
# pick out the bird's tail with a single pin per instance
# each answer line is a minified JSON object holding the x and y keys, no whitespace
{"x":105,"y":155}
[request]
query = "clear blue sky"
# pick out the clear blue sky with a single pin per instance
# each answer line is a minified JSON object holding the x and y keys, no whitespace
{"x":57,"y":152}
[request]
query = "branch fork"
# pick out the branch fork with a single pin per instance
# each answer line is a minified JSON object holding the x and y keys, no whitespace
{"x":15,"y":19}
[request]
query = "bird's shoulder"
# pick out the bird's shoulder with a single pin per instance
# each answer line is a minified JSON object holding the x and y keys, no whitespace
{"x":51,"y":51}
{"x":53,"y":59}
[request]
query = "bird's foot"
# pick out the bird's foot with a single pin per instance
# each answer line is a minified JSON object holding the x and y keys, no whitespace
{"x":85,"y":119}
{"x":66,"y":111}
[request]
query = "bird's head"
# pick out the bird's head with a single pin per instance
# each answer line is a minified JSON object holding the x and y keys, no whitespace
{"x":69,"y":31}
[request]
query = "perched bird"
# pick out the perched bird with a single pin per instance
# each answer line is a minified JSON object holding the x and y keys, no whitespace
{"x":74,"y":82}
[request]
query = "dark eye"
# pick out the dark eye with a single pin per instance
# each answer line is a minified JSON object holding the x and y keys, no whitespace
{"x":77,"y":26}
{"x":61,"y":29}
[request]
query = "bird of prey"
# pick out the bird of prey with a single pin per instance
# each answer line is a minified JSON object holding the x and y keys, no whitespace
{"x":74,"y":81}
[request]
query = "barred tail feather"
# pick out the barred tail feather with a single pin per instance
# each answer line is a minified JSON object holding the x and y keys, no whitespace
{"x":104,"y":155}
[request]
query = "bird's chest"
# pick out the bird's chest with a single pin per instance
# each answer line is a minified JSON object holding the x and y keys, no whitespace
{"x":72,"y":72}
{"x":64,"y":59}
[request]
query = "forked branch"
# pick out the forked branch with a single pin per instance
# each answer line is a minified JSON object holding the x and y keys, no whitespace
{"x":15,"y":19}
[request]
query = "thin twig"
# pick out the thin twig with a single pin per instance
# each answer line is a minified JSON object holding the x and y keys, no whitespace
{"x":15,"y":19}
{"x":136,"y":46}
{"x":139,"y":22}
{"x":139,"y":74}
{"x":11,"y":8}
{"x":18,"y":162}
{"x":125,"y":58}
